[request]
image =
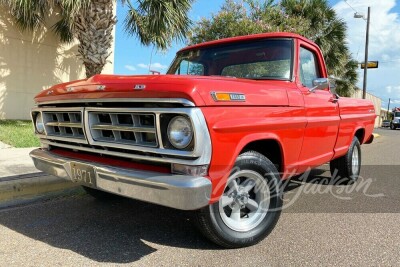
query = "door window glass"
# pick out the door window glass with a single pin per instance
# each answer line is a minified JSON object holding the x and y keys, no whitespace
{"x":308,"y":67}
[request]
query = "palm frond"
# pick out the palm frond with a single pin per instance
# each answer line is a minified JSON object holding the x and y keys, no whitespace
{"x":158,"y":21}
{"x":64,"y":29}
{"x":28,"y":14}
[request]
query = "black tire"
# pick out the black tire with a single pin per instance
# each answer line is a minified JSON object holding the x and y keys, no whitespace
{"x":346,"y":169}
{"x":393,"y":127}
{"x":100,"y":195}
{"x":213,"y":221}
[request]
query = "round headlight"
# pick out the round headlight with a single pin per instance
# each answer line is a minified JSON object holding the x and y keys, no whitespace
{"x":39,"y":123}
{"x":180,"y":132}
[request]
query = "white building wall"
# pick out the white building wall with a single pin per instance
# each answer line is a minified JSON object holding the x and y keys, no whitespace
{"x":30,"y":63}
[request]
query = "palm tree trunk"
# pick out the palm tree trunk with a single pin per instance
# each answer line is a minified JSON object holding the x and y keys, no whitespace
{"x":94,"y":27}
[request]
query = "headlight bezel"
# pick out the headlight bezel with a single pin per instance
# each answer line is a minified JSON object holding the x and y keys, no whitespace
{"x":39,"y":121}
{"x":179,"y":118}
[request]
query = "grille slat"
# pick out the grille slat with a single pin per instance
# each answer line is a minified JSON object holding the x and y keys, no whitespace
{"x":64,"y":124}
{"x":122,"y":128}
{"x":130,"y":128}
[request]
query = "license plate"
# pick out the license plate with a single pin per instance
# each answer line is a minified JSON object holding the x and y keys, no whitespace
{"x":83,"y":174}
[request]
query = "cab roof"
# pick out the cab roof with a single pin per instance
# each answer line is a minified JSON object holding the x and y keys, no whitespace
{"x":249,"y":38}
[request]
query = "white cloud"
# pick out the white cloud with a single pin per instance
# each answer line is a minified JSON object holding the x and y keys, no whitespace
{"x":393,"y":89}
{"x":154,"y":66}
{"x":130,"y":67}
{"x":384,"y":40}
{"x":384,"y":27}
{"x":395,"y":102}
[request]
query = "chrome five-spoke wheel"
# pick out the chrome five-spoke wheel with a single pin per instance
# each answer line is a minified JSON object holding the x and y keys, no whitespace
{"x":245,"y":201}
{"x":249,"y":206}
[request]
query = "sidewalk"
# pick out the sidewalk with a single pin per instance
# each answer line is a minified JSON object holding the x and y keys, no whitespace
{"x":15,"y":161}
{"x":20,"y":179}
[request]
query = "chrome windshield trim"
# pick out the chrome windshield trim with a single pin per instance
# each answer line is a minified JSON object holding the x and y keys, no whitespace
{"x":182,"y":101}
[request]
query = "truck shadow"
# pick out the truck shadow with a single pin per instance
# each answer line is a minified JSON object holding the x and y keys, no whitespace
{"x":318,"y":176}
{"x":124,"y":230}
{"x":117,"y":231}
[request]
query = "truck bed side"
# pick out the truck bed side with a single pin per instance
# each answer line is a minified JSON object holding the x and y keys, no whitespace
{"x":357,"y":119}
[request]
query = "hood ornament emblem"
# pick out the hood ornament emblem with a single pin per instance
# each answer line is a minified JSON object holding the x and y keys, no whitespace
{"x":101,"y":88}
{"x":139,"y":87}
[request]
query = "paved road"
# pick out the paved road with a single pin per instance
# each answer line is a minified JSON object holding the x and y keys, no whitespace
{"x":322,"y":225}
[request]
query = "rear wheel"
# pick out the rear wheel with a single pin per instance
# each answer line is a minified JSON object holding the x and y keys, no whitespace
{"x":348,"y":167}
{"x":250,"y":206}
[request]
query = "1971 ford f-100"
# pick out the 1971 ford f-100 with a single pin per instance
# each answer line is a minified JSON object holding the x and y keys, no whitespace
{"x":231,"y":120}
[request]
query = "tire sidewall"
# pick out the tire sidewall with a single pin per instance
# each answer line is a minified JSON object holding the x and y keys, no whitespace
{"x":353,"y":176}
{"x":271,"y":176}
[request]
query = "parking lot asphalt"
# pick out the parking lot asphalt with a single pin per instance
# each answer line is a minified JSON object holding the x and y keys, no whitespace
{"x":323,"y":225}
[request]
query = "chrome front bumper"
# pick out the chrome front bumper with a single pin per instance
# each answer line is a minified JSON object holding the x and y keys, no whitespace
{"x":175,"y":191}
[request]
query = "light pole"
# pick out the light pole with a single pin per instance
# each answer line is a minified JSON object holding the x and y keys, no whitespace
{"x":358,"y":15}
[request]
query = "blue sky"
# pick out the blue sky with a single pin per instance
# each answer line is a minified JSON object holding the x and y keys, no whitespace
{"x":131,"y":58}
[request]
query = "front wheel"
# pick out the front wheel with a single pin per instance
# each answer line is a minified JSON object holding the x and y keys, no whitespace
{"x":393,"y":127}
{"x":348,"y":167}
{"x":250,"y":206}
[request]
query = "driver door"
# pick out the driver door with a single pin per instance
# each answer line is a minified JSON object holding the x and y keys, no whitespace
{"x":321,"y":110}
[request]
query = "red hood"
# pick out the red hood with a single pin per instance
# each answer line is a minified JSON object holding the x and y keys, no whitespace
{"x":193,"y":88}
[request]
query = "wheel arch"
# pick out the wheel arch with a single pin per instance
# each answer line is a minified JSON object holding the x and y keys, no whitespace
{"x":269,"y":147}
{"x":360,"y":134}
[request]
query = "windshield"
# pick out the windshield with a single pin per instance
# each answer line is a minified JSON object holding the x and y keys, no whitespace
{"x":397,"y":114}
{"x":266,"y":59}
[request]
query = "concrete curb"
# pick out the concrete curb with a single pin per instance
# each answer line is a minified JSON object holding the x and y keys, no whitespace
{"x":30,"y":185}
{"x":4,"y":145}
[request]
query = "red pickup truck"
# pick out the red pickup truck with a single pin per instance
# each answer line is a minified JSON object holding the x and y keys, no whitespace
{"x":218,"y":134}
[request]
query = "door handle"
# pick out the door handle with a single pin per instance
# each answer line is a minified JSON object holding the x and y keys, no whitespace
{"x":333,"y":100}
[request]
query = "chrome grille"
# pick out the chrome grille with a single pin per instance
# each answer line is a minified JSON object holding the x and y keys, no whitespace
{"x":64,"y":124}
{"x":130,"y":128}
{"x":127,"y":132}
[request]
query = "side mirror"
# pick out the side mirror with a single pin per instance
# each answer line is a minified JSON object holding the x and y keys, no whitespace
{"x":320,"y":84}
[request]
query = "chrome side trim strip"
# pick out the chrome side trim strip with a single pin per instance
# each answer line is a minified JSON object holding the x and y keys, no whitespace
{"x":182,"y":101}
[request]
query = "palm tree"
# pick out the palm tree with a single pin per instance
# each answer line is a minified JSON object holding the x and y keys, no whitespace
{"x":91,"y":22}
{"x":329,"y":32}
{"x":311,"y":18}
